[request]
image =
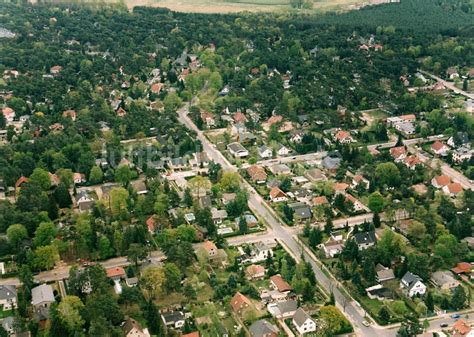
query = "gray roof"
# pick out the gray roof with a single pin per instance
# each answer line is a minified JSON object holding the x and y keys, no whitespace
{"x":302,"y":211}
{"x":331,"y":163}
{"x":42,"y":293}
{"x":385,"y":275}
{"x":236,"y":147}
{"x":7,"y":292}
{"x":365,"y":238}
{"x":300,"y":317}
{"x":287,"y":306}
{"x":172,"y":317}
{"x":440,"y":278}
{"x":410,"y":279}
{"x":262,"y":328}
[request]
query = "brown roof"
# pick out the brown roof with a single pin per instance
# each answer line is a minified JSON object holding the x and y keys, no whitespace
{"x":412,"y":161}
{"x":322,"y":200}
{"x":239,"y":117}
{"x":209,"y":245}
{"x":131,"y":324}
{"x":115,"y":272}
{"x":340,"y":135}
{"x":254,"y":269}
{"x":396,"y":152}
{"x":257,"y":172}
{"x":20,"y":181}
{"x":156,"y":87}
{"x":69,"y":113}
{"x":408,"y":117}
{"x":8,"y":111}
{"x":442,"y":180}
{"x":121,"y":112}
{"x":239,"y":302}
{"x":340,"y":186}
{"x":462,"y":268}
{"x":150,"y":223}
{"x":276,"y":193}
{"x":454,"y":188}
{"x":437,"y":146}
{"x":280,"y":283}
{"x":274,"y":119}
{"x":461,"y":327}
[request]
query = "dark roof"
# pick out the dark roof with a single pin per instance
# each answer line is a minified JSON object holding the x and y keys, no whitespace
{"x":300,"y":316}
{"x":302,"y":211}
{"x":7,"y":292}
{"x":262,"y":328}
{"x":331,"y":163}
{"x":172,"y":317}
{"x":365,"y":238}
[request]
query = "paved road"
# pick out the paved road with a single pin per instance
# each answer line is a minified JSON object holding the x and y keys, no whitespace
{"x":407,"y":142}
{"x":258,"y":205}
{"x":449,"y":85}
{"x":455,"y":175}
{"x":292,"y":159}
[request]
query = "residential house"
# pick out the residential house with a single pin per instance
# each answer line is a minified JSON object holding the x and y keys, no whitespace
{"x":452,"y":189}
{"x":360,"y":180}
{"x":228,"y":197}
{"x":461,"y":154}
{"x":239,"y":117}
{"x":70,"y":114}
{"x":42,"y":297}
{"x":195,"y":334}
{"x":257,"y":174}
{"x":365,"y":240}
{"x":131,"y":281}
{"x":237,"y":150}
{"x":139,"y":186}
{"x":55,"y":70}
{"x":301,"y":211}
{"x":303,"y":322}
{"x":151,"y":225}
{"x":265,"y":152}
{"x":84,"y":201}
{"x":277,"y":195}
{"x":444,"y":280}
{"x":384,"y":273}
{"x":284,"y":309}
{"x":458,"y":140}
{"x":320,"y":201}
{"x":462,"y":268}
{"x":250,"y":219}
{"x":440,"y":181}
{"x":303,"y":195}
{"x":132,"y":328}
{"x":174,"y":319}
{"x":439,"y":148}
{"x":282,"y":150}
{"x":9,"y":114}
{"x":461,"y":328}
{"x":412,"y":284}
{"x":278,"y":283}
{"x":406,"y":128}
{"x":79,"y":178}
{"x":261,"y":252}
{"x":239,"y":303}
{"x":452,"y":73}
{"x":296,"y":137}
{"x":340,"y":188}
{"x":200,"y":159}
{"x":255,"y":272}
{"x":210,"y":249}
{"x":379,"y":292}
{"x":412,"y":162}
{"x":343,"y":137}
{"x":356,"y":204}
{"x":208,"y":119}
{"x":116,"y":273}
{"x":333,"y":248}
{"x":280,"y":169}
{"x":218,"y":216}
{"x":398,"y":153}
{"x":331,"y":163}
{"x":263,"y":328}
{"x":8,"y":299}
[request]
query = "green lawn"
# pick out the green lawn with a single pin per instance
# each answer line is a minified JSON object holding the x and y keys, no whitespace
{"x":6,"y":313}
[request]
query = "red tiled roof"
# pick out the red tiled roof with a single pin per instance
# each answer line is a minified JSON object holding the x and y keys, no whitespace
{"x":239,"y":301}
{"x":209,"y":245}
{"x":461,"y":327}
{"x":437,"y":146}
{"x":454,"y":188}
{"x":396,"y":152}
{"x":340,"y":186}
{"x":115,"y":272}
{"x":150,"y":223}
{"x":280,"y":283}
{"x":408,"y":117}
{"x":462,"y":268}
{"x":322,"y":200}
{"x":20,"y":181}
{"x":239,"y":117}
{"x":274,"y":119}
{"x":442,"y":180}
{"x":276,"y":192}
{"x":191,"y":334}
{"x":255,"y":269}
{"x":340,"y":135}
{"x":7,"y":111}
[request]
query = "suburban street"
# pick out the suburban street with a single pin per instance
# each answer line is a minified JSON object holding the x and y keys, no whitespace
{"x":283,"y":235}
{"x":449,"y":85}
{"x":288,"y":237}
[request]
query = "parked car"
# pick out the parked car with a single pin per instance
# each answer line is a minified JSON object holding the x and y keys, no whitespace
{"x":455,"y":316}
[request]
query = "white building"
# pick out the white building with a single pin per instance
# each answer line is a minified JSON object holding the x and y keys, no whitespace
{"x":303,"y":322}
{"x":412,"y":284}
{"x":237,"y":150}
